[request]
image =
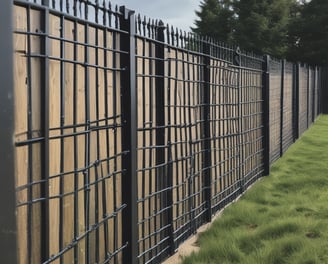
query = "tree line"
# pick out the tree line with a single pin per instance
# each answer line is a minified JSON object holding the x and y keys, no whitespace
{"x":292,"y":29}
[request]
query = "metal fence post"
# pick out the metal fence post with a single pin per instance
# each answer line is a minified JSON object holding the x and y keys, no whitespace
{"x":283,"y":62}
{"x":207,"y":162}
{"x":308,"y":97}
{"x":324,"y":91}
{"x":164,"y":172}
{"x":266,"y":113}
{"x":7,"y":156}
{"x":129,"y":136}
{"x":314,"y":103}
{"x":296,"y":91}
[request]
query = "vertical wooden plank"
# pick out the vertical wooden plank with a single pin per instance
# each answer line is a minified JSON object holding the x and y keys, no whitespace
{"x":102,"y":142}
{"x":80,"y":119}
{"x":54,"y":144}
{"x":21,"y":153}
{"x":93,"y":141}
{"x":111,"y":164}
{"x":68,"y":143}
{"x":35,"y":26}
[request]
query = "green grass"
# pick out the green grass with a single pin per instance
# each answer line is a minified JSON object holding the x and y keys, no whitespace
{"x":283,"y":218}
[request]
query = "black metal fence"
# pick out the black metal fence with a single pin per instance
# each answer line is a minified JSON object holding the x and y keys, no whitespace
{"x":130,"y":134}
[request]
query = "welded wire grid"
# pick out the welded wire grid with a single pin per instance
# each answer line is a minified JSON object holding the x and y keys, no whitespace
{"x":317,"y":92}
{"x":252,"y":116}
{"x":184,"y":108}
{"x":68,"y":132}
{"x":275,"y":109}
{"x":310,"y":96}
{"x":153,"y":208}
{"x":303,"y":102}
{"x":287,"y":106}
{"x":225,"y":122}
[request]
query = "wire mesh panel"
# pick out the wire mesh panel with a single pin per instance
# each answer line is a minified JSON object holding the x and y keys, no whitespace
{"x":224,"y":126}
{"x":184,"y":113}
{"x":311,"y":95}
{"x":252,"y":112}
{"x":287,"y":107}
{"x":303,"y":99}
{"x":275,"y":109}
{"x":68,"y":133}
{"x":316,"y":93}
{"x":152,"y":150}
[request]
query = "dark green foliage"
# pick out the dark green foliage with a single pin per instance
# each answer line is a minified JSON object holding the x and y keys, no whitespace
{"x":293,"y":29}
{"x":308,"y":33}
{"x":215,"y":20}
{"x":261,"y":25}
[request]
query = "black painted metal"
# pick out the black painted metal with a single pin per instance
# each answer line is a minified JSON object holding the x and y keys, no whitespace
{"x":266,"y":113}
{"x":129,"y":115}
{"x":7,"y":156}
{"x":308,"y":97}
{"x":283,"y":62}
{"x":296,"y":100}
{"x":324,"y":90}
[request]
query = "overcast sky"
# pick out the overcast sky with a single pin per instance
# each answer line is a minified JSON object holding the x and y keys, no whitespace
{"x":177,"y":13}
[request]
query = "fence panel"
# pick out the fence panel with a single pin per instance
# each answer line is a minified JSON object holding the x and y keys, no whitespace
{"x":70,"y":211}
{"x":225,"y":122}
{"x":287,"y":107}
{"x":185,"y":132}
{"x":275,"y":109}
{"x":252,"y":114}
{"x":311,"y":95}
{"x":303,"y":100}
{"x":130,"y":135}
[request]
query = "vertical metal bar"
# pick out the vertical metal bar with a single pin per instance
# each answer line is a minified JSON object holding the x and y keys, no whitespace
{"x":266,"y":113}
{"x":86,"y":172}
{"x":308,"y":97}
{"x":313,"y":93}
{"x":207,"y":133}
{"x":7,"y":185}
{"x":75,"y":110}
{"x":283,"y":62}
{"x":29,"y":135}
{"x":324,"y":90}
{"x":296,"y":82}
{"x":163,"y":175}
{"x":62,"y":124}
{"x":129,"y":137}
{"x":45,"y":120}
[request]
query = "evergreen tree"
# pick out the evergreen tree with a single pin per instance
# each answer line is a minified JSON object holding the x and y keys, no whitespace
{"x":256,"y":25}
{"x":262,"y":25}
{"x":215,"y":20}
{"x":309,"y":33}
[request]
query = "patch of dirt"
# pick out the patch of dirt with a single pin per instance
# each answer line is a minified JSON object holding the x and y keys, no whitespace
{"x":252,"y":226}
{"x":312,"y":234}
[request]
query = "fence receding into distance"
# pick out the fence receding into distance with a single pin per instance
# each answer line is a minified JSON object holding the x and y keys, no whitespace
{"x":130,"y":134}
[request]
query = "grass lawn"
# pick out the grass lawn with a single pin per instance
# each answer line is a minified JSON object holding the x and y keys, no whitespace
{"x":283,"y":218}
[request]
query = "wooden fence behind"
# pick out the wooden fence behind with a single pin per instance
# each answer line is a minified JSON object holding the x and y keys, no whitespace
{"x":129,"y":134}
